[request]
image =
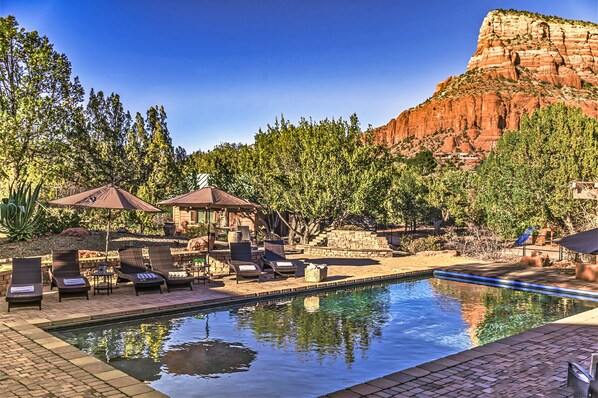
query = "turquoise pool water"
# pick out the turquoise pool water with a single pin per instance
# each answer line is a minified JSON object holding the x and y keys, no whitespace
{"x":305,"y":346}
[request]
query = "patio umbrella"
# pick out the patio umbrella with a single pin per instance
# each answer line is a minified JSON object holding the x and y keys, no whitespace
{"x":209,"y":198}
{"x":583,"y":242}
{"x":108,"y":197}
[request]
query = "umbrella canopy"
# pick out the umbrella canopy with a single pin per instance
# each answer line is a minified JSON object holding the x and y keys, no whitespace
{"x":583,"y":242}
{"x":209,"y":198}
{"x":107,"y":197}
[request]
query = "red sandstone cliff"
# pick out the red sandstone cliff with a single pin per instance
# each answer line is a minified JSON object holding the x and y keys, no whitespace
{"x":523,"y":61}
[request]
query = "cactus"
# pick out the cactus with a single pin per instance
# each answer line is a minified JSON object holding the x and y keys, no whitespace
{"x":20,"y":213}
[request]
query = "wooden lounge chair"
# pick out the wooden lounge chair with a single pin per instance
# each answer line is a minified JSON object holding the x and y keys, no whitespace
{"x":26,"y":284}
{"x":133,"y":270}
{"x":241,"y":262}
{"x":275,"y":258}
{"x":162,"y":264}
{"x":581,"y":381}
{"x":66,"y":274}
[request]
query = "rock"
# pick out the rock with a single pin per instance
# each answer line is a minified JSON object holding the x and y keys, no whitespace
{"x":523,"y":61}
{"x":89,"y":254}
{"x":78,"y":232}
{"x":439,"y":253}
{"x":200,"y":243}
{"x":537,"y":259}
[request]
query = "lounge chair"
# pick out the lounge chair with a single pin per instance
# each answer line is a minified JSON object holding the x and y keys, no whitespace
{"x":275,"y":258}
{"x":581,"y":381}
{"x":26,"y":284}
{"x":133,"y":270}
{"x":162,"y":264}
{"x":241,"y":262}
{"x":66,"y":274}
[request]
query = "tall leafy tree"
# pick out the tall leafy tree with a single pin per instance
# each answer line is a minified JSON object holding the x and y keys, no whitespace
{"x":527,"y":177}
{"x":38,"y":103}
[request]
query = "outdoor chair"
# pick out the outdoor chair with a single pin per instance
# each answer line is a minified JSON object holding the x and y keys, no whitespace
{"x":26,"y":284}
{"x":241,"y":262}
{"x":162,"y":264}
{"x":133,"y":270}
{"x":583,"y":382}
{"x":275,"y":258}
{"x":66,"y":275}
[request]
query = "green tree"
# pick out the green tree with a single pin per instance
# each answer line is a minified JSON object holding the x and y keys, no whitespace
{"x":39,"y":102}
{"x":451,"y":192}
{"x":317,"y":171}
{"x":406,"y":198}
{"x":526,"y":178}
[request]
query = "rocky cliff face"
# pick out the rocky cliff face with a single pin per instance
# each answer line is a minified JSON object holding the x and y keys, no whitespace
{"x":523,"y":61}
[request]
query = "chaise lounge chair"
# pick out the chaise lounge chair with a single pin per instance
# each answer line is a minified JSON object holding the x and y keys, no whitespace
{"x":162,"y":264}
{"x":133,"y":270}
{"x":241,"y":262}
{"x":26,"y":284}
{"x":583,"y":383}
{"x":66,"y":274}
{"x":275,"y":258}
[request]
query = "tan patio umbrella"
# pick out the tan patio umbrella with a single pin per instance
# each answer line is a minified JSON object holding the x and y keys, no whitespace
{"x":209,"y":198}
{"x":106,"y":197}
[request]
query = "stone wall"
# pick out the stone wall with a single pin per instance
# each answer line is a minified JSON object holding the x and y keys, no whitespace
{"x":349,"y":243}
{"x":346,"y":253}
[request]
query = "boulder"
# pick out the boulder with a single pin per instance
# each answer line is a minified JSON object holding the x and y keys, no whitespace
{"x":78,"y":232}
{"x":200,"y":243}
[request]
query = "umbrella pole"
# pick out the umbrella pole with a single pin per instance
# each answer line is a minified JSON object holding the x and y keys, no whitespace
{"x":208,"y":259}
{"x":108,"y":233}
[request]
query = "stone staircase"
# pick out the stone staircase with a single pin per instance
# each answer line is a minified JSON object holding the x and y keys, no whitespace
{"x":349,"y":243}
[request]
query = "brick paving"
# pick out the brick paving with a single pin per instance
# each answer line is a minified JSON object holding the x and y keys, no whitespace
{"x":36,"y":364}
{"x":529,"y":364}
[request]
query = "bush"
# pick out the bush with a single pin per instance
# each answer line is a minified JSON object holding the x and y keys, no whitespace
{"x":429,"y":243}
{"x":20,"y":212}
{"x":57,"y":220}
{"x":197,"y":230}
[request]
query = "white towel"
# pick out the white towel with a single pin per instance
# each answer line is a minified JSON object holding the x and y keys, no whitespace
{"x":147,"y":275}
{"x":284,"y":264}
{"x":74,"y":281}
{"x":177,"y":274}
{"x":247,"y":267}
{"x":22,"y":289}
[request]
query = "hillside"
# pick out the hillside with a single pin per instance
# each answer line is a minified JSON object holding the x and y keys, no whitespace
{"x":523,"y":61}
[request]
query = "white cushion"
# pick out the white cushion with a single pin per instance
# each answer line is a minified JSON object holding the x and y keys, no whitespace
{"x":247,"y":267}
{"x":22,"y":289}
{"x":74,"y":281}
{"x":284,"y":264}
{"x":177,"y":274}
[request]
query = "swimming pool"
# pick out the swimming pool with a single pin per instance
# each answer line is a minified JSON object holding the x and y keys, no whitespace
{"x":314,"y":344}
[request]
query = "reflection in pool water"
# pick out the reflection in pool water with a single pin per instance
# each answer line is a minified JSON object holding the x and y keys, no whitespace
{"x":310,"y":345}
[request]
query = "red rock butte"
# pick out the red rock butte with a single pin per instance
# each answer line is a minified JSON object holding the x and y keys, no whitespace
{"x":523,"y":61}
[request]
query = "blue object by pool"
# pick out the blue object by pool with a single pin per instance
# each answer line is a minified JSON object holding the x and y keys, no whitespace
{"x":525,"y":236}
{"x":306,"y":346}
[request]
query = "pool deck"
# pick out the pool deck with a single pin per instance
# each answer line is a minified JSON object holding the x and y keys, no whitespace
{"x":36,"y":364}
{"x":532,"y":363}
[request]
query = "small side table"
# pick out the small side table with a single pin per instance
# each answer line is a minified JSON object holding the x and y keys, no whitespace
{"x":102,"y":281}
{"x":201,"y":272}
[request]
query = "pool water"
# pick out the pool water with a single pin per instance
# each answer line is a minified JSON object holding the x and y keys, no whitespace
{"x":305,"y":346}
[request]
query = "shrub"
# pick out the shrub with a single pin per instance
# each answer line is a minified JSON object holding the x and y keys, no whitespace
{"x":411,"y":245}
{"x":57,"y":220}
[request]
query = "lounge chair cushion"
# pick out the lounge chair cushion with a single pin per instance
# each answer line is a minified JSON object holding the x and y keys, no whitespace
{"x":22,"y":289}
{"x":177,"y":274}
{"x":73,"y":281}
{"x":248,"y":267}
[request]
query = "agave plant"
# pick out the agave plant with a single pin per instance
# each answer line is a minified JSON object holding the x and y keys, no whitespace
{"x":20,"y":213}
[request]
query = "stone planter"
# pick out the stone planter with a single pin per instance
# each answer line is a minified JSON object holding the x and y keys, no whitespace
{"x":316,"y":273}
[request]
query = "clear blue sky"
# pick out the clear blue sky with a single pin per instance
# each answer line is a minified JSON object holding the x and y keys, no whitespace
{"x":224,"y":68}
